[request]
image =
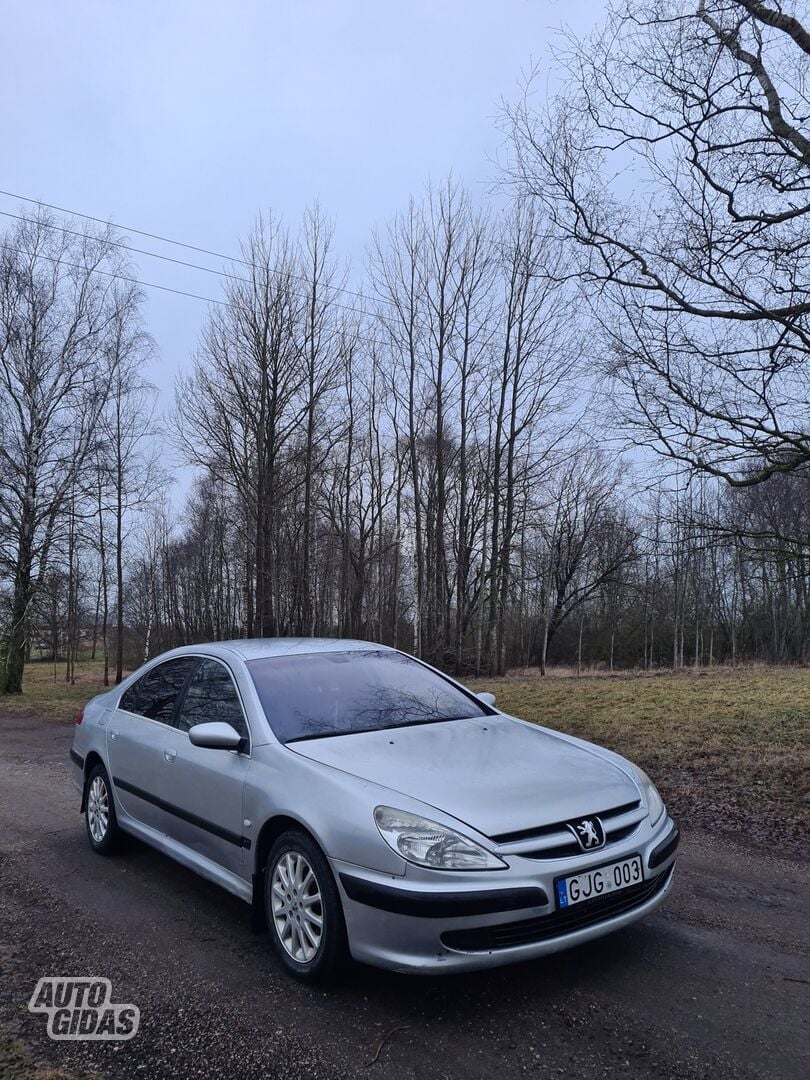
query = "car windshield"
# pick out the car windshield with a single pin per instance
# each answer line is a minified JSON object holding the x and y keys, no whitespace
{"x":314,"y":695}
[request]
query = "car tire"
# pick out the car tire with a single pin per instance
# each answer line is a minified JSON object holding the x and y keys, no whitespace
{"x":100,"y":821}
{"x":303,"y":909}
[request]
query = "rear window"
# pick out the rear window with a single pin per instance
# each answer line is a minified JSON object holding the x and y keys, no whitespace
{"x":314,"y":695}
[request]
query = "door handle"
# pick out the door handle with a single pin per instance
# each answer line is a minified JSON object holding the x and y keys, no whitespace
{"x":114,"y":733}
{"x":170,"y":755}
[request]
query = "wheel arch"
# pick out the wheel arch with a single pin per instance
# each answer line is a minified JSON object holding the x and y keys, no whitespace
{"x":270,"y":831}
{"x":90,"y":762}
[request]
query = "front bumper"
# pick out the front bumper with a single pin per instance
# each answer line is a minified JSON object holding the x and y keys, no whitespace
{"x":433,"y":921}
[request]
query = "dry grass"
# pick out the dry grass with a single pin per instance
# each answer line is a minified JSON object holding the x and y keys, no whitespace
{"x":17,"y":1062}
{"x":46,"y":693}
{"x":730,"y":749}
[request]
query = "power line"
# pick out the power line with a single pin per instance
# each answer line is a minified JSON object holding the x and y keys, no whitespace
{"x":190,"y":247}
{"x":111,"y":274}
{"x":149,"y":284}
{"x":165,"y":258}
{"x":117,"y":243}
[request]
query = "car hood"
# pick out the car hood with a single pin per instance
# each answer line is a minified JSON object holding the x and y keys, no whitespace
{"x":495,"y":773}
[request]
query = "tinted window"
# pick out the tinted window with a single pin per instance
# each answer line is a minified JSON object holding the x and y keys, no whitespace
{"x":211,"y":695}
{"x":155,"y":693}
{"x":335,"y":693}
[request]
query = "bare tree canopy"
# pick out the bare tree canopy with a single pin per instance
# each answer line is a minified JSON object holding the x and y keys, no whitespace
{"x":677,"y":163}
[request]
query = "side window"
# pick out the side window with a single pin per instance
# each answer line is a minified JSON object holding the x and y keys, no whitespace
{"x":211,"y":695}
{"x":131,"y":699}
{"x":155,"y":693}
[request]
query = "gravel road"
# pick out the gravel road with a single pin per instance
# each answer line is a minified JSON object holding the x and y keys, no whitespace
{"x":715,"y":985}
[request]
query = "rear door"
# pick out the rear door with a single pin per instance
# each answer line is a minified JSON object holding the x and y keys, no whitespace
{"x":205,"y":786}
{"x":136,"y":739}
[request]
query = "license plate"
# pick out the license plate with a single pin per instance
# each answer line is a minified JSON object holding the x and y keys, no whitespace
{"x":591,"y":884}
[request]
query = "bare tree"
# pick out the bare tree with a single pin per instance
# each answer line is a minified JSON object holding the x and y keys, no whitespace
{"x":129,"y":452}
{"x":242,"y":409}
{"x":396,"y":270}
{"x":322,"y":356}
{"x":677,"y":162}
{"x":537,"y":353}
{"x":584,"y":541}
{"x":60,"y":298}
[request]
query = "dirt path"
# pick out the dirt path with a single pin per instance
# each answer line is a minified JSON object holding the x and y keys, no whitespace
{"x":715,"y":985}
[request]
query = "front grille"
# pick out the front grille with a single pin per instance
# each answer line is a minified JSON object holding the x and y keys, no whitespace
{"x":529,"y":931}
{"x":570,"y":846}
{"x":547,"y":830}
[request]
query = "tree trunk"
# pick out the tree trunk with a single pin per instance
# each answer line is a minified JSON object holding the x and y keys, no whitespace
{"x":11,"y":678}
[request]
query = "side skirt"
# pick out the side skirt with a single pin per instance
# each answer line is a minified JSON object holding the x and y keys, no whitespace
{"x":206,"y":868}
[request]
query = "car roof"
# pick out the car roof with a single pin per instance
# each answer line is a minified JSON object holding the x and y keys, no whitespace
{"x":257,"y":648}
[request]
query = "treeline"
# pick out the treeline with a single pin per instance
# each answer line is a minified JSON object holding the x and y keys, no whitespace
{"x":680,"y":595}
{"x":416,"y":473}
{"x":428,"y":458}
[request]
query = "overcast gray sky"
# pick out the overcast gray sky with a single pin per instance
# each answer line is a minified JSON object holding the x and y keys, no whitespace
{"x":186,"y":118}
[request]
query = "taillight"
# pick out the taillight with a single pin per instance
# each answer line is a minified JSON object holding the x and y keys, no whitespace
{"x":77,"y":719}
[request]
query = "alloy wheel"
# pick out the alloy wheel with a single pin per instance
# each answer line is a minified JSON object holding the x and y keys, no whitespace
{"x":98,"y":809}
{"x":297,"y":906}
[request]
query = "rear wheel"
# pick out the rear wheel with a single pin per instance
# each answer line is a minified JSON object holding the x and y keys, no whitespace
{"x":304,"y":913}
{"x":100,"y":820}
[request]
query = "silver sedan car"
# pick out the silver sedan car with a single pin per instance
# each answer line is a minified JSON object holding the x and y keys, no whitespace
{"x":367,"y":805}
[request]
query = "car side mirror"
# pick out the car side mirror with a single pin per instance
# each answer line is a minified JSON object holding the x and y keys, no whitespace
{"x":487,"y":698}
{"x":215,"y":736}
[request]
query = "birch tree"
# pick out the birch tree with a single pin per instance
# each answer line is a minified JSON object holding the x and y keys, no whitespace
{"x":60,"y":297}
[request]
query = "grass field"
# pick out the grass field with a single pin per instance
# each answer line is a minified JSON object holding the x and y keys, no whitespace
{"x":730,"y":749}
{"x":46,"y":693}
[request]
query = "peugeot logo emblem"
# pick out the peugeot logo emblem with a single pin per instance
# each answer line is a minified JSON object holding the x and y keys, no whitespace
{"x":589,"y":832}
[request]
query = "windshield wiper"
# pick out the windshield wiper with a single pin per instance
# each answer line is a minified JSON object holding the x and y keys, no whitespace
{"x":332,"y":734}
{"x":420,"y":723}
{"x":366,"y":730}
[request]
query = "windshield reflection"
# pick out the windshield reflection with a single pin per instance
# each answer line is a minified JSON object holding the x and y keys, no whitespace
{"x":315,"y":695}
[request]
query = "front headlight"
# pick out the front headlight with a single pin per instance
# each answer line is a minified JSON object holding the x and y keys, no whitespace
{"x":654,"y":802}
{"x":426,"y":843}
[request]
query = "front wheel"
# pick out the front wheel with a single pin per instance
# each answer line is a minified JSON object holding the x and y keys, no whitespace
{"x":304,"y":913}
{"x":100,"y":820}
